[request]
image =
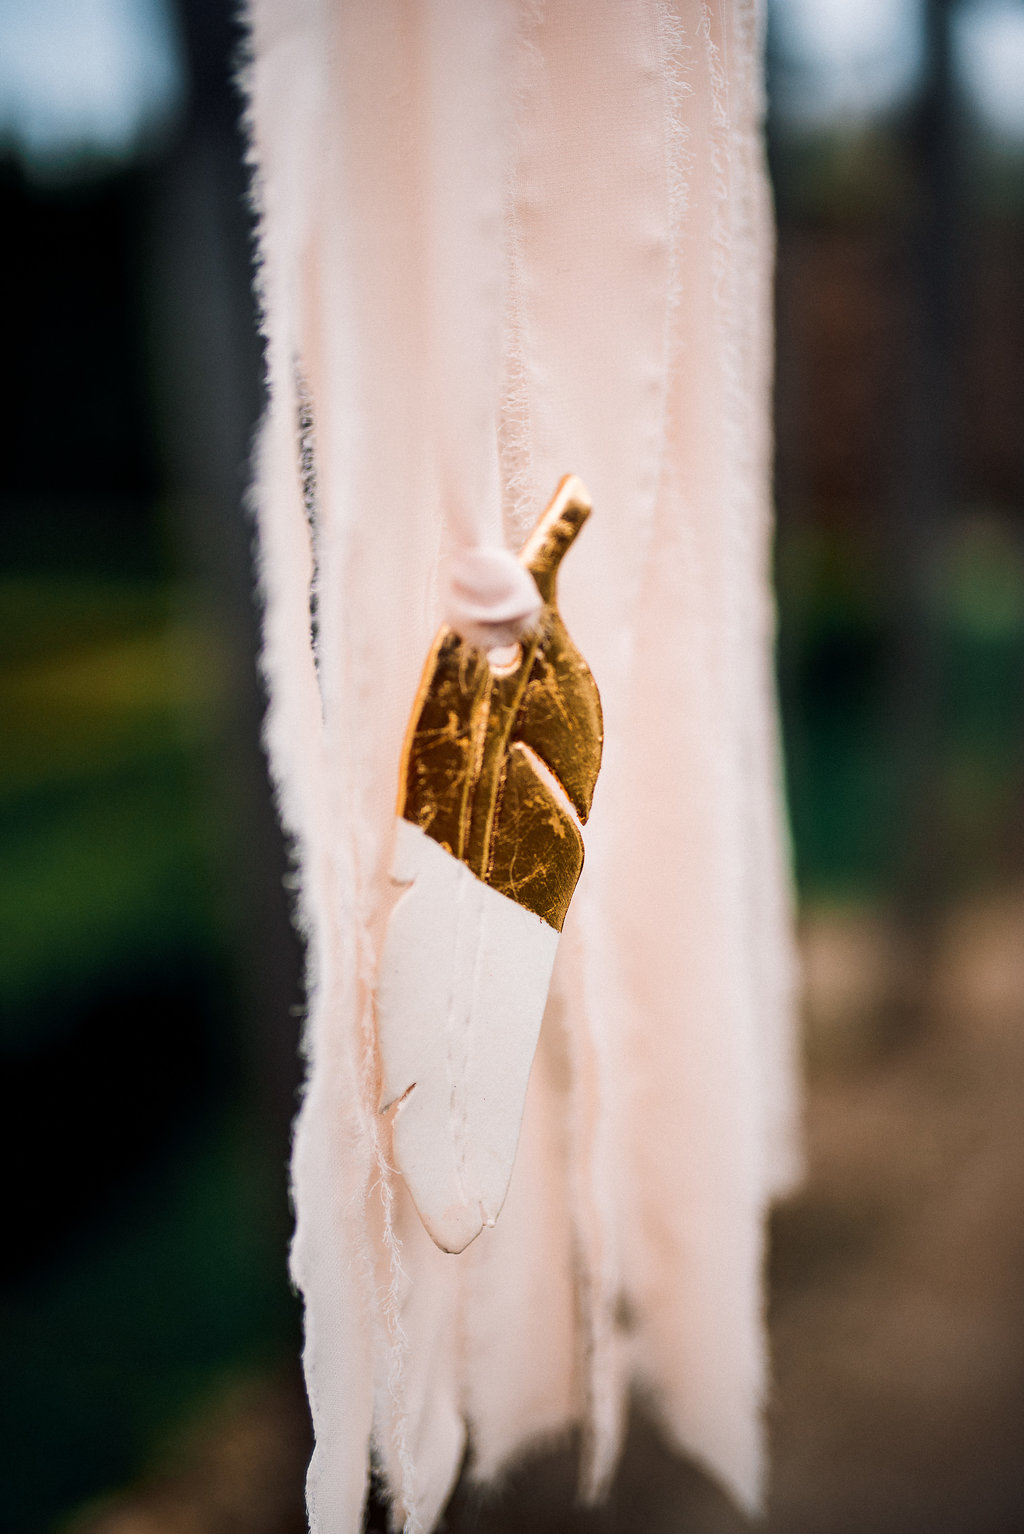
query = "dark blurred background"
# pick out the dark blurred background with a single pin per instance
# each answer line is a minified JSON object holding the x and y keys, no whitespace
{"x":150,"y":986}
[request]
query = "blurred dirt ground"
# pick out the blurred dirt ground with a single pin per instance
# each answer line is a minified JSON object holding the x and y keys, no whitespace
{"x":897,"y":1297}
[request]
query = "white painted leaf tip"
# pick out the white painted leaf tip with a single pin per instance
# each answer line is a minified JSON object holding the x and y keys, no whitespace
{"x":461,"y":987}
{"x":458,"y":1229}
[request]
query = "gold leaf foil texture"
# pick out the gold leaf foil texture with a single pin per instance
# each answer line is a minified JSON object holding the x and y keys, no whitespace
{"x":501,"y":761}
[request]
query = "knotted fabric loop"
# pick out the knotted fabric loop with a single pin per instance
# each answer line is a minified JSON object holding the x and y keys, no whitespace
{"x":492,"y":601}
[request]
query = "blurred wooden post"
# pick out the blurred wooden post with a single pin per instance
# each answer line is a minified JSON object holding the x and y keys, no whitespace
{"x":208,"y":373}
{"x":923,"y":490}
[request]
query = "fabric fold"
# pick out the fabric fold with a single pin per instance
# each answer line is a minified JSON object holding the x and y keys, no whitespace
{"x":500,"y":241}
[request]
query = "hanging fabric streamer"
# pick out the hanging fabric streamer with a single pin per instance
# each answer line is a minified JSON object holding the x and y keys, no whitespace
{"x":501,"y":241}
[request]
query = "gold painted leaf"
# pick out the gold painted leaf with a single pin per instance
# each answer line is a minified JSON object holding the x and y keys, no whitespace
{"x":500,"y":764}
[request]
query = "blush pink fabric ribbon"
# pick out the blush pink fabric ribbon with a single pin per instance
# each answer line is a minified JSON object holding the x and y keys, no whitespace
{"x":501,"y":241}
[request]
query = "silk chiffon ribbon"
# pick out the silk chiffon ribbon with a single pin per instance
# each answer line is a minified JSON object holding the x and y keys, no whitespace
{"x":466,"y":123}
{"x":499,"y":240}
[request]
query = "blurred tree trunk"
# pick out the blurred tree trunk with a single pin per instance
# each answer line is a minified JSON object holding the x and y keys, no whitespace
{"x":923,"y":491}
{"x":208,"y":354}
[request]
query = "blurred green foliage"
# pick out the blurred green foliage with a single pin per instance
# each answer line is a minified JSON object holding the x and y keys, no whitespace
{"x":110,"y":691}
{"x":168,"y":1295}
{"x":834,"y":658}
{"x":106,"y":698}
